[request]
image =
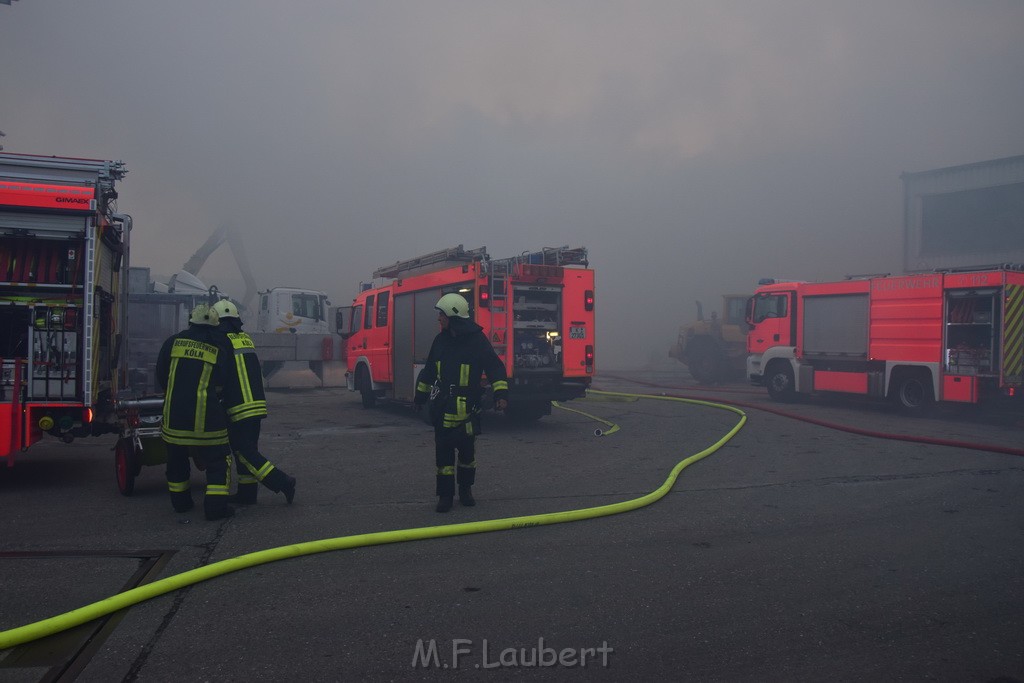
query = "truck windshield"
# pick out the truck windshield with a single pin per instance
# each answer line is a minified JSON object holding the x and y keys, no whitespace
{"x":306,"y":306}
{"x":770,"y":306}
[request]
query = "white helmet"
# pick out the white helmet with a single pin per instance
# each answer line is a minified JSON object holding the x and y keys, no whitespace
{"x":453,"y":305}
{"x":226,"y":309}
{"x":204,"y":315}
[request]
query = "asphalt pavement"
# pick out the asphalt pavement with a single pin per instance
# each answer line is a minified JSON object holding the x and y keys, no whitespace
{"x":794,"y":552}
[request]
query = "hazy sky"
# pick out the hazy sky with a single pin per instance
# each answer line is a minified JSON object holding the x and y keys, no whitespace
{"x":692,"y":146}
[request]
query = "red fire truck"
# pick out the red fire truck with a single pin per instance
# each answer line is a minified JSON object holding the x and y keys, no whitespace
{"x":952,"y":335}
{"x":537,"y":309}
{"x":62,"y":249}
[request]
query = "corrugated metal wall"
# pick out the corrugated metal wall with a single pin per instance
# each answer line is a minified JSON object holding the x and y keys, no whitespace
{"x":987,"y":198}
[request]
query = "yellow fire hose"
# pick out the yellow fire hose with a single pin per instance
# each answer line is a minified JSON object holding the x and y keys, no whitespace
{"x":40,"y":629}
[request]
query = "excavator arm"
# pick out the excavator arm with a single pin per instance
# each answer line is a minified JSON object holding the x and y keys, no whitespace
{"x":225,"y":233}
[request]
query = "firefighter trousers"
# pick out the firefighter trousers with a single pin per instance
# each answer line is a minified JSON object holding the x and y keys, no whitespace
{"x":252,"y":467}
{"x":215,"y":461}
{"x":448,"y":442}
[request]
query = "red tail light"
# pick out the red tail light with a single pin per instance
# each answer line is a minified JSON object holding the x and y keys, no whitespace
{"x":485,"y":298}
{"x":87,"y":416}
{"x":588,"y":355}
{"x":588,"y":300}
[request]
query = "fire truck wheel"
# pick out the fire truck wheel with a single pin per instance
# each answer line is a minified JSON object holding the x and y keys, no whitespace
{"x":126,"y":466}
{"x":779,"y":380}
{"x":365,"y":387}
{"x":911,"y":392}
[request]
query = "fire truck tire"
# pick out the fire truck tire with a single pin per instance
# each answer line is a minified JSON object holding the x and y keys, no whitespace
{"x":779,"y":380}
{"x":911,"y":392}
{"x":126,"y":466}
{"x":365,"y":387}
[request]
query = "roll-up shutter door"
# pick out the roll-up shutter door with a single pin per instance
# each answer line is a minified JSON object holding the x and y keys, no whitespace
{"x":41,"y":225}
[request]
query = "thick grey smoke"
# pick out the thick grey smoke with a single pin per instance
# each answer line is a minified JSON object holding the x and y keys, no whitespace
{"x":692,"y":146}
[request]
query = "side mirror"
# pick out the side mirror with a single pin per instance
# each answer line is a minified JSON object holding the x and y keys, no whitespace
{"x":343,"y":321}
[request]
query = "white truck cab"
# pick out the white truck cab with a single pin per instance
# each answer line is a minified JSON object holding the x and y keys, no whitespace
{"x":288,"y":309}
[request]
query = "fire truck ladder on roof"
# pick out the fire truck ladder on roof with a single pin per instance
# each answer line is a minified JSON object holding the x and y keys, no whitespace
{"x":1018,"y":267}
{"x":548,"y":256}
{"x":436,"y":260}
{"x":553,"y":256}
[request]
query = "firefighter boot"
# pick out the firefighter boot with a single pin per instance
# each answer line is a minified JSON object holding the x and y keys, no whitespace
{"x":466,"y":496}
{"x":182,"y":501}
{"x":279,"y":482}
{"x":245,"y":494}
{"x":288,"y":489}
{"x":444,"y":504}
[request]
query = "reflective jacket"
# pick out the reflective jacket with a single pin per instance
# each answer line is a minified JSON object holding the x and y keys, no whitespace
{"x":457,"y":360}
{"x":192,"y":369}
{"x":244,"y":396}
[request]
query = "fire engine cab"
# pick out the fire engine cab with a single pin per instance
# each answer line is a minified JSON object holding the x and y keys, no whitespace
{"x":537,"y":309}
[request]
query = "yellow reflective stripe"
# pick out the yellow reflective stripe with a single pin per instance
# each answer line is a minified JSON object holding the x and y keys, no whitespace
{"x":459,"y":416}
{"x":445,"y":471}
{"x":464,"y":375}
{"x":250,"y":405}
{"x":247,"y":410}
{"x":260,"y":473}
{"x":202,"y":397}
{"x":468,"y":465}
{"x":194,"y":441}
{"x":243,"y":378}
{"x":178,"y":486}
{"x":217,"y":489}
{"x":500,"y":385}
{"x":423,"y":388}
{"x":187,"y":438}
{"x":213,"y":434}
{"x":247,"y":479}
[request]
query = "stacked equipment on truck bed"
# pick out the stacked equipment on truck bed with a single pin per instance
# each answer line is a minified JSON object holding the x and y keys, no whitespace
{"x":62,"y":249}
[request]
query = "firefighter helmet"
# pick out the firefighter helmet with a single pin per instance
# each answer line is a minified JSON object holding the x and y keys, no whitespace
{"x":453,"y":305}
{"x":226,"y":309}
{"x":203,"y":314}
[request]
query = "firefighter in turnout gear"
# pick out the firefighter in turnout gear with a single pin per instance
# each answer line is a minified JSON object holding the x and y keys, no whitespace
{"x":450,"y":379}
{"x":192,"y":369}
{"x":246,"y":405}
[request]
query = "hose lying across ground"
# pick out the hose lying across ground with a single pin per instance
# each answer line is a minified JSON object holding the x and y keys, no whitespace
{"x":912,"y":438}
{"x":40,"y":629}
